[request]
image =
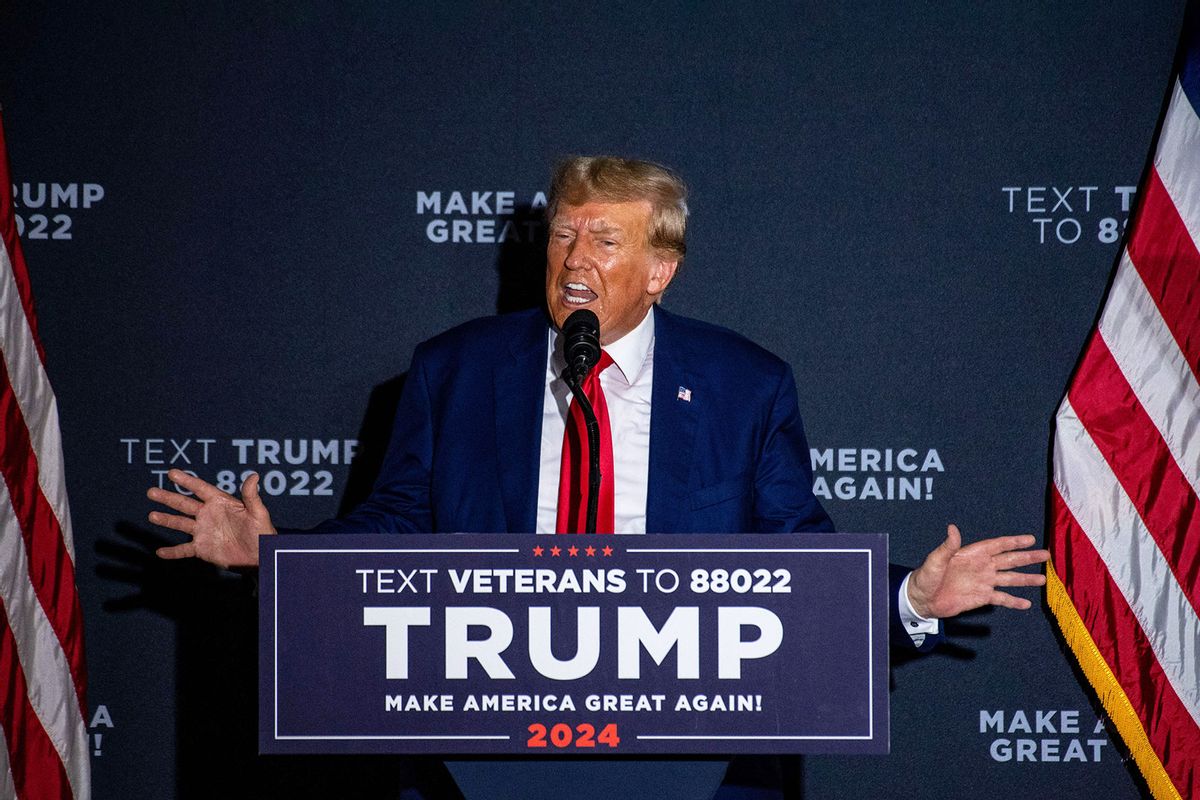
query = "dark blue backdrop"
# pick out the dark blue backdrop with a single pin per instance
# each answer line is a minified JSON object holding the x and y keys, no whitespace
{"x":916,"y":206}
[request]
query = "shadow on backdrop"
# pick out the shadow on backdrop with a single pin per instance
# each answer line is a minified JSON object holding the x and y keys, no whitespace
{"x":521,"y":263}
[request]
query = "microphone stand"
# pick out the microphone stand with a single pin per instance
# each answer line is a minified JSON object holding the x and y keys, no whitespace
{"x":593,"y":436}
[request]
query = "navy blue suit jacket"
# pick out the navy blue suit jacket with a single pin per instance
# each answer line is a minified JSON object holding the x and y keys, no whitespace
{"x":465,"y":450}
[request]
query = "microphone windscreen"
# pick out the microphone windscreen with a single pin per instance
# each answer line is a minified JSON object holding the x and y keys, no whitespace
{"x":581,"y":332}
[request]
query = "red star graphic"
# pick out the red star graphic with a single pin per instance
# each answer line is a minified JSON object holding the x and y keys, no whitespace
{"x":572,"y":551}
{"x":537,"y":551}
{"x":556,"y":551}
{"x":591,"y":551}
{"x":607,"y":550}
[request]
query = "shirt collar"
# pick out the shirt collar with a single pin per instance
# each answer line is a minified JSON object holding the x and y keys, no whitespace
{"x":628,"y":353}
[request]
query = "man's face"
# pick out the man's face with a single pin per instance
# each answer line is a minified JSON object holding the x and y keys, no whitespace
{"x":599,"y":257}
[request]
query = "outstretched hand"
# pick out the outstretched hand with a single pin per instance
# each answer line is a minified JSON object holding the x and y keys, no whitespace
{"x":955,"y":579}
{"x":224,"y":530}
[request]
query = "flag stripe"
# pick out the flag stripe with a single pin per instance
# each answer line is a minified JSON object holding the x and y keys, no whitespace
{"x":1151,"y":361}
{"x":1134,"y":562}
{"x":36,"y":767}
{"x":49,"y":566}
{"x":1135,"y":452}
{"x":20,"y":348}
{"x":1117,"y":635}
{"x":56,"y":702}
{"x":1178,"y":158}
{"x":1165,"y":255}
{"x":12,"y":245}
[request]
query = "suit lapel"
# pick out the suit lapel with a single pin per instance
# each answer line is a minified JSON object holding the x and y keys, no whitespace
{"x":673,"y":422}
{"x":519,"y":393}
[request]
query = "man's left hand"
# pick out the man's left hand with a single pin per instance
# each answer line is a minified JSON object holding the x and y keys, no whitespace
{"x":955,"y":579}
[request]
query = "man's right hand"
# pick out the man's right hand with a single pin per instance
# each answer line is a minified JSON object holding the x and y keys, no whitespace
{"x":224,"y":530}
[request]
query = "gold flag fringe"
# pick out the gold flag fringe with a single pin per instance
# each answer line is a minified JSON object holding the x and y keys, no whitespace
{"x":1111,"y":695}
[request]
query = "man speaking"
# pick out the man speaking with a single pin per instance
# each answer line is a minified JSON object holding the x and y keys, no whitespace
{"x":699,"y":427}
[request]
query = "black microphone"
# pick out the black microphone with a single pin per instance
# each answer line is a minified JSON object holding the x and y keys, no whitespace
{"x":581,"y":334}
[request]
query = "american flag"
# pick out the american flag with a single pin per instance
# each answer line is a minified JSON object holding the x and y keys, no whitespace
{"x":1124,"y":578}
{"x":44,"y":753}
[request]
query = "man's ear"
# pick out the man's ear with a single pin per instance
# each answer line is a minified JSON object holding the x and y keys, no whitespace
{"x":661,"y":275}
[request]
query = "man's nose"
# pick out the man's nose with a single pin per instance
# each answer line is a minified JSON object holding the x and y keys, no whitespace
{"x":577,"y":256}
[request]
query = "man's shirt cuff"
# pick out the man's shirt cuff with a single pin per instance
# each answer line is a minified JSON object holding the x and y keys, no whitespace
{"x":916,"y":625}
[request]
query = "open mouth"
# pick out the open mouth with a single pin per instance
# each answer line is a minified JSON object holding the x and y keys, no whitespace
{"x":578,"y":294}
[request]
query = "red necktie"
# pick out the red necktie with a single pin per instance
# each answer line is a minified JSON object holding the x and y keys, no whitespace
{"x":573,"y":478}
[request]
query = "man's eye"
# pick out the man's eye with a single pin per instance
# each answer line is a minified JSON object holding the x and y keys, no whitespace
{"x":608,"y":243}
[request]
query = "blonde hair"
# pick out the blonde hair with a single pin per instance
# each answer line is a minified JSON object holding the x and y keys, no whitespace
{"x":612,"y":179}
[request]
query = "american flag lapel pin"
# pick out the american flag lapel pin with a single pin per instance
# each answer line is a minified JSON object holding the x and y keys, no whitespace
{"x":684,"y":394}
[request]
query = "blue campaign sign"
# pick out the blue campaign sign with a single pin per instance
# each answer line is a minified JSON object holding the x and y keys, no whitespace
{"x":578,"y":645}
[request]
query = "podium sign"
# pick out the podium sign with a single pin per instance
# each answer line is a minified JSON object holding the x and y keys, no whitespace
{"x":574,"y":645}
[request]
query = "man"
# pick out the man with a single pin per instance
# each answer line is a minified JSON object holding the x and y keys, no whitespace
{"x":703,"y":425}
{"x":726,"y":451}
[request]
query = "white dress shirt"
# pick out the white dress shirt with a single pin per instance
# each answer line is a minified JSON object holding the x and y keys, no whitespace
{"x":627,"y":386}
